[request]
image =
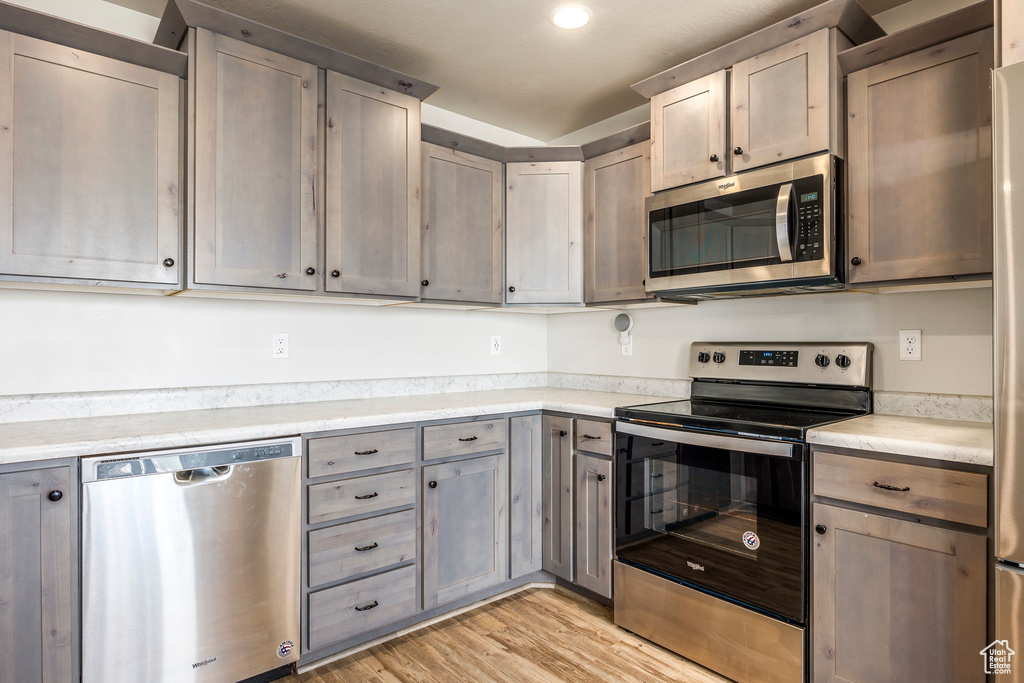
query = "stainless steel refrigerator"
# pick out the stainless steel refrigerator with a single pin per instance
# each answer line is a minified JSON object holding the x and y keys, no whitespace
{"x":1008,"y":159}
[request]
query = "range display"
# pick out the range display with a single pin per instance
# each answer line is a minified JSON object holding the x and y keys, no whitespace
{"x":782,"y":358}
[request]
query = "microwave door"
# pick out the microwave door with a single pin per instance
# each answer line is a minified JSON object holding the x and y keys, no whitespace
{"x":785,"y":214}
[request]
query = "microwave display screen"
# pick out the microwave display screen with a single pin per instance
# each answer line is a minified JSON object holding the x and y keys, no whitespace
{"x":809,"y":197}
{"x":787,"y":359}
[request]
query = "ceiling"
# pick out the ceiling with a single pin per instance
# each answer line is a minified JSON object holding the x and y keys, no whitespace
{"x":504,"y":63}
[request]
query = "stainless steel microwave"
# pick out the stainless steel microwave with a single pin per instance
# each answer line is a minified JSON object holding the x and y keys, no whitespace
{"x":769,"y":231}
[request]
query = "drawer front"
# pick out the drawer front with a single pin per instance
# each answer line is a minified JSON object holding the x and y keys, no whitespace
{"x":463,"y":438}
{"x":927,"y":491}
{"x":337,"y":499}
{"x":345,"y":550}
{"x":354,"y":452}
{"x":345,"y":611}
{"x":594,"y":437}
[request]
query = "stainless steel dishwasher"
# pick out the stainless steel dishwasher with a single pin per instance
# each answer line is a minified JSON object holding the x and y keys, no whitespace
{"x":191,"y":563}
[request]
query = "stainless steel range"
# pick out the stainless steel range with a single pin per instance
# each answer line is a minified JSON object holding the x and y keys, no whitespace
{"x":712,"y":503}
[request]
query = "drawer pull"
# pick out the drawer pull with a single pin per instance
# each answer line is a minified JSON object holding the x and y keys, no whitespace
{"x":364,"y":548}
{"x":657,"y":443}
{"x":472,"y":438}
{"x":886,"y":487}
{"x":369,"y":452}
{"x":657,"y":476}
{"x":367,"y":607}
{"x":367,"y":497}
{"x":658,"y":511}
{"x":591,"y":438}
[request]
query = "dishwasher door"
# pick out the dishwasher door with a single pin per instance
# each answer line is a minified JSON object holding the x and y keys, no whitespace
{"x":191,"y":564}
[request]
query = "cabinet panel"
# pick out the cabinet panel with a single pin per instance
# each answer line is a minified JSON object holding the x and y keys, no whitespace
{"x":89,"y":166}
{"x":781,"y":104}
{"x":557,"y":487}
{"x":255,"y":166}
{"x":465,"y":528}
{"x":36,"y":574}
{"x":353,"y":608}
{"x":462,"y":226}
{"x":594,"y":495}
{"x":354,"y":452}
{"x":688,"y":133}
{"x":526,"y":511}
{"x":615,"y":186}
{"x":463,"y":438}
{"x":544,"y":250}
{"x":896,"y":601}
{"x":920,"y":164}
{"x":373,"y":189}
{"x":345,"y":550}
{"x":362,"y":495}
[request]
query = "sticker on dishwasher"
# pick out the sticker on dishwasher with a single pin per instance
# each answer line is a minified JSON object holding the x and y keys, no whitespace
{"x":751,"y":540}
{"x":285,"y":648}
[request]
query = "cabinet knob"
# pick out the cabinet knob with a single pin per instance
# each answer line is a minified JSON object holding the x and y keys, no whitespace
{"x":55,"y":495}
{"x":425,"y":283}
{"x":738,"y":151}
{"x":714,"y":158}
{"x":335,"y":273}
{"x":563,"y":433}
{"x":855,"y":261}
{"x":432,"y":484}
{"x":511,"y":289}
{"x":311,"y":271}
{"x":820,"y":529}
{"x":168,"y":262}
{"x":601,"y":477}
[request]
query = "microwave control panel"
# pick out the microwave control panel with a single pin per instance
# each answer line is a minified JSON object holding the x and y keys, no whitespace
{"x":810,"y":233}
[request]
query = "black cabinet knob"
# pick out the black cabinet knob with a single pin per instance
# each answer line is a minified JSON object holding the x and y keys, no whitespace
{"x":856,"y":261}
{"x":335,"y":273}
{"x":425,"y":283}
{"x":738,"y":151}
{"x":714,"y":158}
{"x":820,"y":529}
{"x":511,"y":289}
{"x":563,"y":433}
{"x":601,"y":477}
{"x":311,"y":271}
{"x":168,"y":263}
{"x":55,"y":495}
{"x":432,"y":484}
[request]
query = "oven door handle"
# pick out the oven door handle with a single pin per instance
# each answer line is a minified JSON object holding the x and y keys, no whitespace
{"x":729,"y":443}
{"x":782,"y":231}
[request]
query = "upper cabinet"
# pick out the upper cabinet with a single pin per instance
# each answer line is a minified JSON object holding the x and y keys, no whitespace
{"x":615,"y":186}
{"x":688,"y":133}
{"x":462,"y":226}
{"x":89,"y":167}
{"x":373,"y":189}
{"x":544,"y":250}
{"x":255,"y":166}
{"x":920,"y":164}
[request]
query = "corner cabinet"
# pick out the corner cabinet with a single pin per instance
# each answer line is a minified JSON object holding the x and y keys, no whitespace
{"x":920,"y":164}
{"x":544,"y":233}
{"x":688,"y":133}
{"x":89,"y":167}
{"x":255,"y":166}
{"x":615,"y":186}
{"x":462,"y":227}
{"x":373,"y":189}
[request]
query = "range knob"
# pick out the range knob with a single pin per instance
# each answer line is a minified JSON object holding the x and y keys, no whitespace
{"x":703,"y":357}
{"x":822,"y":361}
{"x":843,"y":361}
{"x":719,"y":357}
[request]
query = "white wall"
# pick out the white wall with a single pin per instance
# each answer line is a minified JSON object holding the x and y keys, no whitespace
{"x":956,"y":331}
{"x":70,"y":341}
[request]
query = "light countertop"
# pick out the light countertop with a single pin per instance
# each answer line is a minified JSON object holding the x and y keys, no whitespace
{"x":949,"y":440}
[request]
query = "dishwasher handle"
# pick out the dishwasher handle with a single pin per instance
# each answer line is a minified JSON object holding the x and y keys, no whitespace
{"x":202,"y":475}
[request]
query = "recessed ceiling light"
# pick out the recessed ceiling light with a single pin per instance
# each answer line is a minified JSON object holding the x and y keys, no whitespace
{"x":571,"y":16}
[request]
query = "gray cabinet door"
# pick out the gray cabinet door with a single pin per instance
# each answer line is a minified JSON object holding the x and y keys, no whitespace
{"x":89,"y":166}
{"x":615,"y":186}
{"x":594,"y":495}
{"x":781,"y":103}
{"x":688,"y":133}
{"x":373,"y":189}
{"x":526,"y":510}
{"x":556,"y":496}
{"x":896,"y":601}
{"x":920,"y":164}
{"x":544,"y":245}
{"x":462,"y":226}
{"x":36,"y":577}
{"x":465,"y":528}
{"x":255,"y":166}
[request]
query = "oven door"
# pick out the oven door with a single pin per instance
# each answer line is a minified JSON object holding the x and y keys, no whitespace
{"x":723,"y":514}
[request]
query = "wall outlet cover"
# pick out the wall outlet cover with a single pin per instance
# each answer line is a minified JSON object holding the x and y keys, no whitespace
{"x":280,"y":346}
{"x":627,"y":348}
{"x":910,"y":344}
{"x":495,"y":346}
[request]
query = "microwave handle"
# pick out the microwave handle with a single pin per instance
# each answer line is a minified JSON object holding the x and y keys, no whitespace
{"x":782,"y":231}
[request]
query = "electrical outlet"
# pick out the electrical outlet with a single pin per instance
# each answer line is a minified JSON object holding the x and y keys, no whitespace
{"x":280,"y":347}
{"x":910,"y":344}
{"x":495,"y":346}
{"x":627,"y":348}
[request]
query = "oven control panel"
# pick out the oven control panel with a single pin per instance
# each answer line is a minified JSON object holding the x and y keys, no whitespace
{"x":843,"y":364}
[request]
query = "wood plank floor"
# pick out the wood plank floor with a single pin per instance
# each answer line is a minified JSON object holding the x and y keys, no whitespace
{"x":537,"y":635}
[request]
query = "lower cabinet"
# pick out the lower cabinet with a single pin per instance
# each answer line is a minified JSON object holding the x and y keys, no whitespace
{"x":465,"y":531}
{"x":526,"y":509}
{"x":353,"y":608}
{"x":594,"y":496}
{"x":557,"y":483}
{"x":38,"y":575}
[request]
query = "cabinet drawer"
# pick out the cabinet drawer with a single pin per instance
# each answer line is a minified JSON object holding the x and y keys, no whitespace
{"x":354,"y":452}
{"x":463,"y":438}
{"x":358,"y":547}
{"x":346,"y":611}
{"x":338,"y":499}
{"x":594,"y":437}
{"x":927,"y":491}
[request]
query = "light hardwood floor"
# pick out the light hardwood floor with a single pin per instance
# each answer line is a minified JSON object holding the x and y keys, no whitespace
{"x":537,"y":635}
